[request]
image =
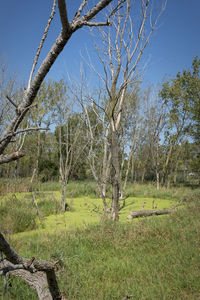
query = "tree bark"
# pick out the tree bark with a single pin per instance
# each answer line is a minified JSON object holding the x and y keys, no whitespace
{"x":115,"y":176}
{"x":63,"y":196}
{"x":157,"y":179}
{"x":6,"y":158}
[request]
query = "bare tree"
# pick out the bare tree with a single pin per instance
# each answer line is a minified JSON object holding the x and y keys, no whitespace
{"x":48,"y":287}
{"x":100,"y":167}
{"x":123,"y":46}
{"x":155,"y":114}
{"x":70,"y":149}
{"x":130,"y":129}
{"x":96,"y":127}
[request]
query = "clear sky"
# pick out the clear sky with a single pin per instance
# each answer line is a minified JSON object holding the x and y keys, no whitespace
{"x":172,"y":47}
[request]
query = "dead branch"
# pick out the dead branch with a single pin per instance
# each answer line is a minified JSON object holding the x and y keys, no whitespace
{"x":24,"y":130}
{"x":78,"y":13}
{"x":38,"y":274}
{"x":12,"y":102}
{"x":63,"y":15}
{"x":6,"y":158}
{"x":66,"y":32}
{"x":153,"y":212}
{"x":96,"y":24}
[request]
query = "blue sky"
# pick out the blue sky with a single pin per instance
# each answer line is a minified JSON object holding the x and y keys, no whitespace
{"x":172,"y":47}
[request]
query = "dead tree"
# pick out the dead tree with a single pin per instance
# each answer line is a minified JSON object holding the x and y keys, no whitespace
{"x":123,"y":45}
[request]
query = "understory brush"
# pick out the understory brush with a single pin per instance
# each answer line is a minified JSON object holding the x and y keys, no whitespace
{"x":16,"y":215}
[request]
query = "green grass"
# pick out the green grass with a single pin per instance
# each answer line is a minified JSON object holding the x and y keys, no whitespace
{"x":151,"y":258}
{"x":154,"y":258}
{"x":16,"y":215}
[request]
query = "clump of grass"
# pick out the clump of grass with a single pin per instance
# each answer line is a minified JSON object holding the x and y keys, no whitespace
{"x":49,"y":206}
{"x":82,"y":188}
{"x":74,"y":188}
{"x":50,"y":186}
{"x":8,"y":185}
{"x":17,"y":215}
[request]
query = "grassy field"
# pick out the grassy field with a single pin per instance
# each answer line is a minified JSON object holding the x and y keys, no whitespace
{"x":151,"y":258}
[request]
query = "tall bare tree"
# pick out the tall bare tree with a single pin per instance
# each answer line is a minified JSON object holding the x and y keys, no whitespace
{"x":122,"y":46}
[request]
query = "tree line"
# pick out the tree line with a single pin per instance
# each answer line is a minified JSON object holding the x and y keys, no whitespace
{"x":157,"y":140}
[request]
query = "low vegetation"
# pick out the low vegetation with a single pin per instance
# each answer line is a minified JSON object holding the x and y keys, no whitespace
{"x":150,"y":258}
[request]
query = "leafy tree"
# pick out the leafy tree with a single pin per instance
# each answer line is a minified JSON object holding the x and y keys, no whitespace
{"x":182,"y":96}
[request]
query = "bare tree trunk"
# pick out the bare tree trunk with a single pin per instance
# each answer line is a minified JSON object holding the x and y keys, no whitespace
{"x":143,"y":174}
{"x":67,"y":30}
{"x":115,"y":176}
{"x":63,"y":196}
{"x":165,"y":168}
{"x":157,"y":165}
{"x":168,"y":181}
{"x":157,"y":179}
{"x":15,"y":169}
{"x":175,"y":173}
{"x":130,"y":157}
{"x":132,"y":168}
{"x":38,"y":153}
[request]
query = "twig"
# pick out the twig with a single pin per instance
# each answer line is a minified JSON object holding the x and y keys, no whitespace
{"x":11,"y":101}
{"x":77,"y":15}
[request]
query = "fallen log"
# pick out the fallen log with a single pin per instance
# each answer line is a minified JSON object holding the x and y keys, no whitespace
{"x":152,"y":212}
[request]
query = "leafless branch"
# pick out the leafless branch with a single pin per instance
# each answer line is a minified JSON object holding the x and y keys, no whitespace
{"x":11,"y":101}
{"x":42,"y":42}
{"x":78,"y":13}
{"x":63,"y":15}
{"x":96,"y":24}
{"x":24,"y":130}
